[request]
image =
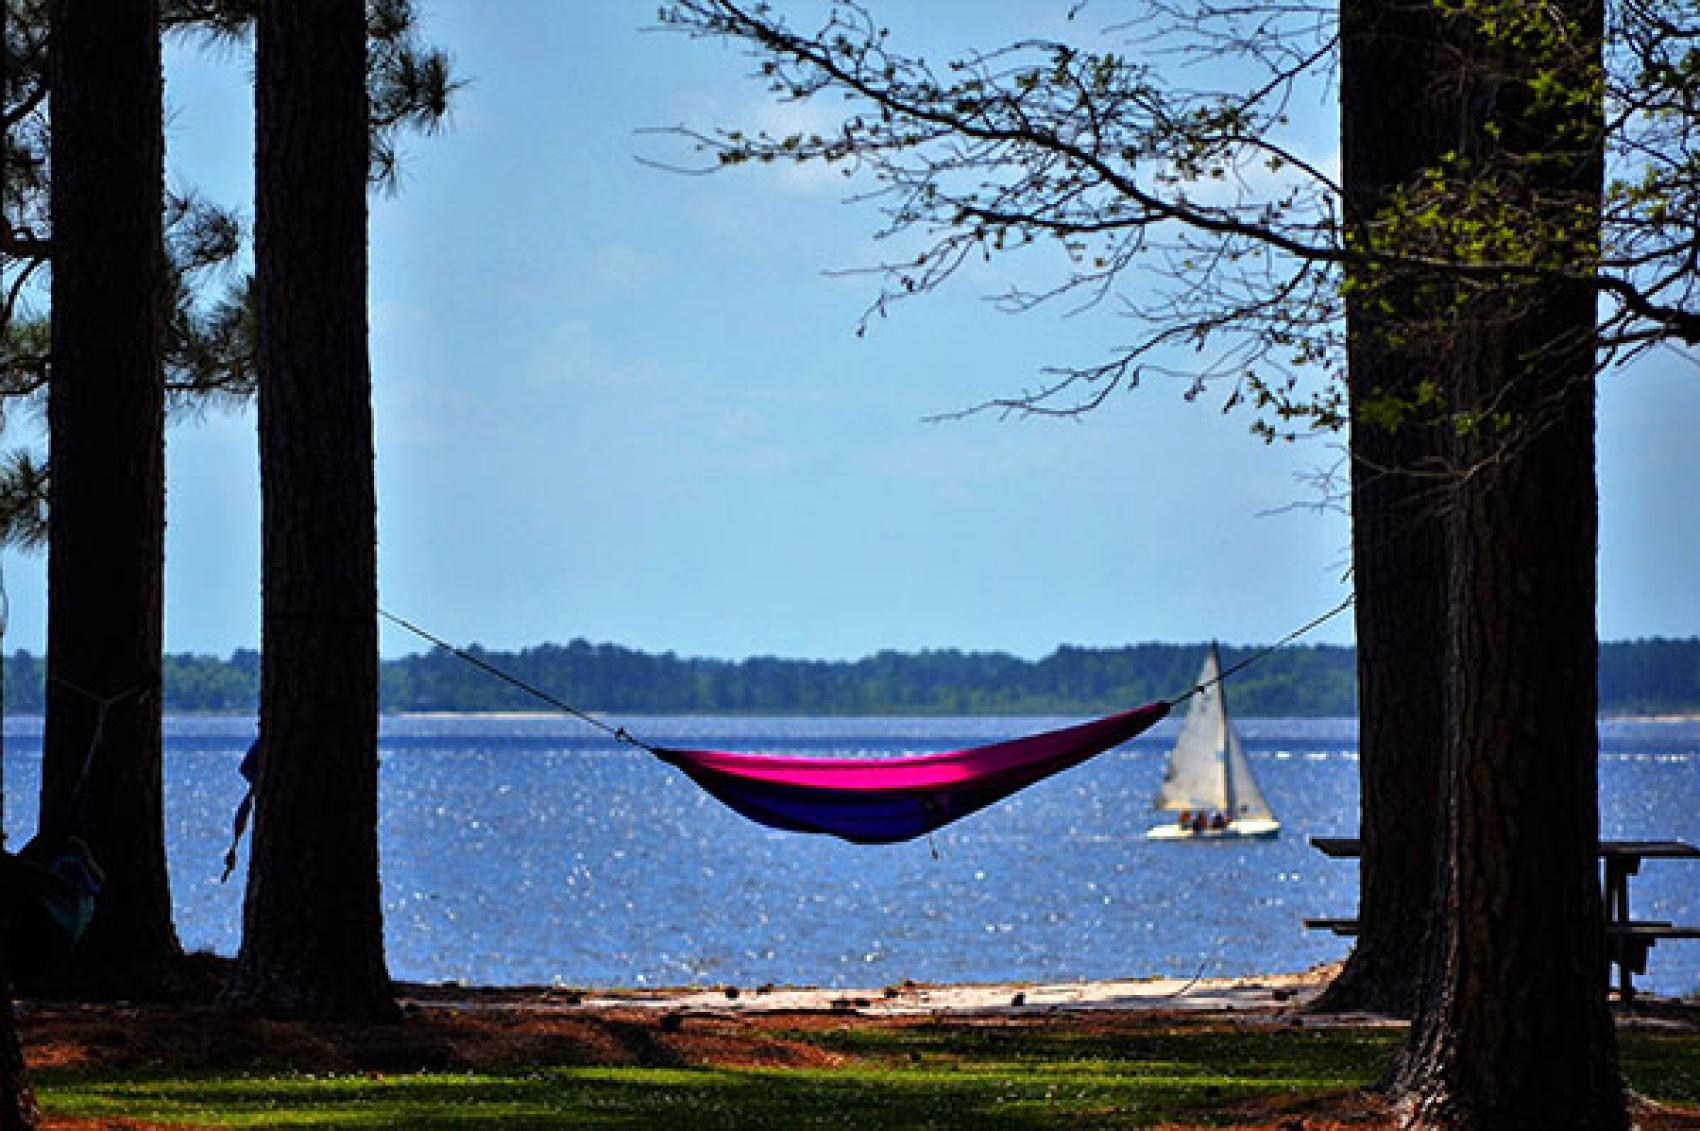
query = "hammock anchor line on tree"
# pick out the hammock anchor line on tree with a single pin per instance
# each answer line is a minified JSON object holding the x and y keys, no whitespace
{"x":879,"y":800}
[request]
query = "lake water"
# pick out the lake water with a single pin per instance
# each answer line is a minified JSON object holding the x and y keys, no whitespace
{"x":534,"y":850}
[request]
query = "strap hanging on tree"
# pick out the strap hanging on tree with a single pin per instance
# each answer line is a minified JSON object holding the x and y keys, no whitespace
{"x":250,"y":771}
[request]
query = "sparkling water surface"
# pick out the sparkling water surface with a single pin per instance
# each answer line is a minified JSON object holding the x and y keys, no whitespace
{"x":535,"y":850}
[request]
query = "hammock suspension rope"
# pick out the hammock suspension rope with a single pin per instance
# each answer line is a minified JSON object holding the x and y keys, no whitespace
{"x":860,"y":800}
{"x":1242,"y":665}
{"x":621,"y":734}
{"x":618,"y":733}
{"x":881,"y":800}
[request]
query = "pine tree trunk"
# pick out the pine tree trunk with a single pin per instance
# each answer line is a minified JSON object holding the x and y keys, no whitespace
{"x":312,"y":940}
{"x":1388,"y":68}
{"x":101,"y":769}
{"x":18,"y":1110}
{"x":1513,"y":1030}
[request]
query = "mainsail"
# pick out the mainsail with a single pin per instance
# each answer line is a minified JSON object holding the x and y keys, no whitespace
{"x":1207,"y":770}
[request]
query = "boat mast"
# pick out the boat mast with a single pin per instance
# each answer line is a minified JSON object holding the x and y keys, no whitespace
{"x":1222,"y":735}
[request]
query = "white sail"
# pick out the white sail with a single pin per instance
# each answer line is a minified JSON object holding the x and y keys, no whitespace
{"x":1196,"y":777}
{"x":1245,"y":799}
{"x":1208,"y":778}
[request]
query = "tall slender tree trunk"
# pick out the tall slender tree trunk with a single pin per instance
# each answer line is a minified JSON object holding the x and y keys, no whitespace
{"x":312,"y":942}
{"x":18,"y":1108}
{"x":1389,"y":64}
{"x":18,"y":1111}
{"x":101,"y":773}
{"x":1513,"y":1030}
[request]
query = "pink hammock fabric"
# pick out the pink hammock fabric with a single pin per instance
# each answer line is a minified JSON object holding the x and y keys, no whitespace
{"x":886,"y":800}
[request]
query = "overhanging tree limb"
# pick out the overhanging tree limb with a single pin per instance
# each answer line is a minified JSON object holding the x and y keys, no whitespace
{"x":1099,"y":156}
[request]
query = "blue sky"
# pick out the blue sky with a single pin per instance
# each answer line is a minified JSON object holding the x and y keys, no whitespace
{"x":624,"y":404}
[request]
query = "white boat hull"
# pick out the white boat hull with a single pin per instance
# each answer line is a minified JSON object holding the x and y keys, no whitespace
{"x":1251,"y":828}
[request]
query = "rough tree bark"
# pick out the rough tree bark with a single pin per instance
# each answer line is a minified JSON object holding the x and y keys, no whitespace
{"x":1513,"y":1028}
{"x":1390,"y":71}
{"x":18,"y":1110}
{"x":17,"y":1099}
{"x":312,"y":941}
{"x":101,"y":775}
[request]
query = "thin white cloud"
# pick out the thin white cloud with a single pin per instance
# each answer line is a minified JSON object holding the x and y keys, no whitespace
{"x":622,"y":266}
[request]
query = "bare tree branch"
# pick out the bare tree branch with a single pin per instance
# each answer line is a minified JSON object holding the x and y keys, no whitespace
{"x":1131,"y":176}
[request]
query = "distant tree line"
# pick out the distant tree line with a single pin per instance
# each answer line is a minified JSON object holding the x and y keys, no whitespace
{"x":1636,"y":677}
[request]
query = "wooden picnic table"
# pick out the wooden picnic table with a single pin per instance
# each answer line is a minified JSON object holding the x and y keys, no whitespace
{"x":1629,"y":939}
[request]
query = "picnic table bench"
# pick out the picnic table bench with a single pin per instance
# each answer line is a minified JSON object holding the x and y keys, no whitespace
{"x":1628,"y":940}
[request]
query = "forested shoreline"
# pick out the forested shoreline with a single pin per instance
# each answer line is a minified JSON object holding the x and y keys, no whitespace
{"x":1642,"y":677}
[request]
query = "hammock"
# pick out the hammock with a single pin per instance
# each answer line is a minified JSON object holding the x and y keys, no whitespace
{"x":885,"y":800}
{"x":875,"y":800}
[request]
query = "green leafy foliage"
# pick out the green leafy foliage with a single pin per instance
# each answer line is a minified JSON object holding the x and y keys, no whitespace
{"x":1637,"y":677}
{"x":209,"y":336}
{"x":938,"y":682}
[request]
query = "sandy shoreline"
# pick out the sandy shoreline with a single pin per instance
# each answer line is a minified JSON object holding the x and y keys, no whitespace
{"x":1262,"y":995}
{"x":1266,"y":998}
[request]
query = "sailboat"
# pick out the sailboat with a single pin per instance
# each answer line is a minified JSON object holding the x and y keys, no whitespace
{"x":1208,"y":783}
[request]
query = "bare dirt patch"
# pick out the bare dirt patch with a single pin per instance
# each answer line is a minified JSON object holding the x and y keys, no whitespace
{"x":470,"y":1029}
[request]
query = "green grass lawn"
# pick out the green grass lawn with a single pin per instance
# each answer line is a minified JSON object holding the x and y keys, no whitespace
{"x":911,"y":1077}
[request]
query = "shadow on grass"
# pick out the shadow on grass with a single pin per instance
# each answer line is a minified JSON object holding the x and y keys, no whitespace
{"x":743,"y":1098}
{"x":912,"y":1076}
